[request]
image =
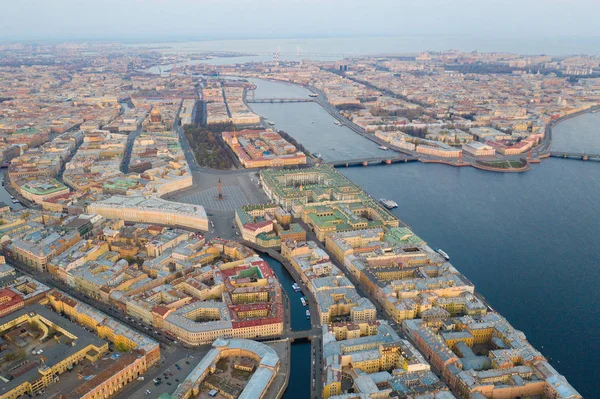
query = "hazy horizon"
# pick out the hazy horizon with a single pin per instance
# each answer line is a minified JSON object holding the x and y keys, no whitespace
{"x":183,"y":20}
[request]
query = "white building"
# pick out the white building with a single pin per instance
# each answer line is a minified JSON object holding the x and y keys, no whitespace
{"x":151,"y":210}
{"x":478,"y":149}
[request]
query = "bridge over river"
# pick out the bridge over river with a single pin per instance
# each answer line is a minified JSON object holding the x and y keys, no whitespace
{"x":392,"y":158}
{"x":278,"y":100}
{"x":575,"y":155}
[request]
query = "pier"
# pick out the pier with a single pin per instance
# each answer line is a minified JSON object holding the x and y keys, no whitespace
{"x":575,"y":155}
{"x":372,"y":161}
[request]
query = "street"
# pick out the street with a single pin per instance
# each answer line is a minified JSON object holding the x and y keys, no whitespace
{"x":169,"y":359}
{"x":46,"y":278}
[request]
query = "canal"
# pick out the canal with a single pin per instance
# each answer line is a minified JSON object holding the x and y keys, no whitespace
{"x":4,"y":195}
{"x":299,"y":380}
{"x":297,"y":311}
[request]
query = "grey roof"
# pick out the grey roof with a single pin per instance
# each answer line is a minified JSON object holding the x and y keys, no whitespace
{"x":258,"y":383}
{"x":56,"y":353}
{"x":260,"y":379}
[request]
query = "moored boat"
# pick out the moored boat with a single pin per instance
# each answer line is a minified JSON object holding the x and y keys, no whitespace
{"x":444,"y":254}
{"x":389,"y":204}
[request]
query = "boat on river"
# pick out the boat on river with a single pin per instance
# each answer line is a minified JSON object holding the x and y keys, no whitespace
{"x":389,"y":204}
{"x":444,"y":254}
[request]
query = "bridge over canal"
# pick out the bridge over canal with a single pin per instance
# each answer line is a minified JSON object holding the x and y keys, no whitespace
{"x":293,"y":335}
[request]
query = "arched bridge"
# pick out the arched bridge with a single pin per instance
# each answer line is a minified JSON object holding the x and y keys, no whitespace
{"x":302,"y":334}
{"x":293,"y":335}
{"x":372,"y":161}
{"x":575,"y":155}
{"x":278,"y":100}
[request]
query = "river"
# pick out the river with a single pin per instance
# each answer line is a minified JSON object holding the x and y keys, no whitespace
{"x":528,"y":241}
{"x":311,"y":125}
{"x":580,"y":134}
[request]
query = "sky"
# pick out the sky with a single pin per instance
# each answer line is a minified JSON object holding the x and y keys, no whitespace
{"x":234,"y":19}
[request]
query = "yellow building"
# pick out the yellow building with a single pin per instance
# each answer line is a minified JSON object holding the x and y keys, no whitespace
{"x":88,"y":347}
{"x":107,"y":328}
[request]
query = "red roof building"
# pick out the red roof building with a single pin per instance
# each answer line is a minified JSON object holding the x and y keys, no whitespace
{"x":10,"y":301}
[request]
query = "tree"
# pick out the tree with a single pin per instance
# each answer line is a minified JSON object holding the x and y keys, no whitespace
{"x":209,"y":148}
{"x":121,"y":347}
{"x":25,"y":215}
{"x":34,"y":325}
{"x":349,"y":107}
{"x":419,"y":132}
